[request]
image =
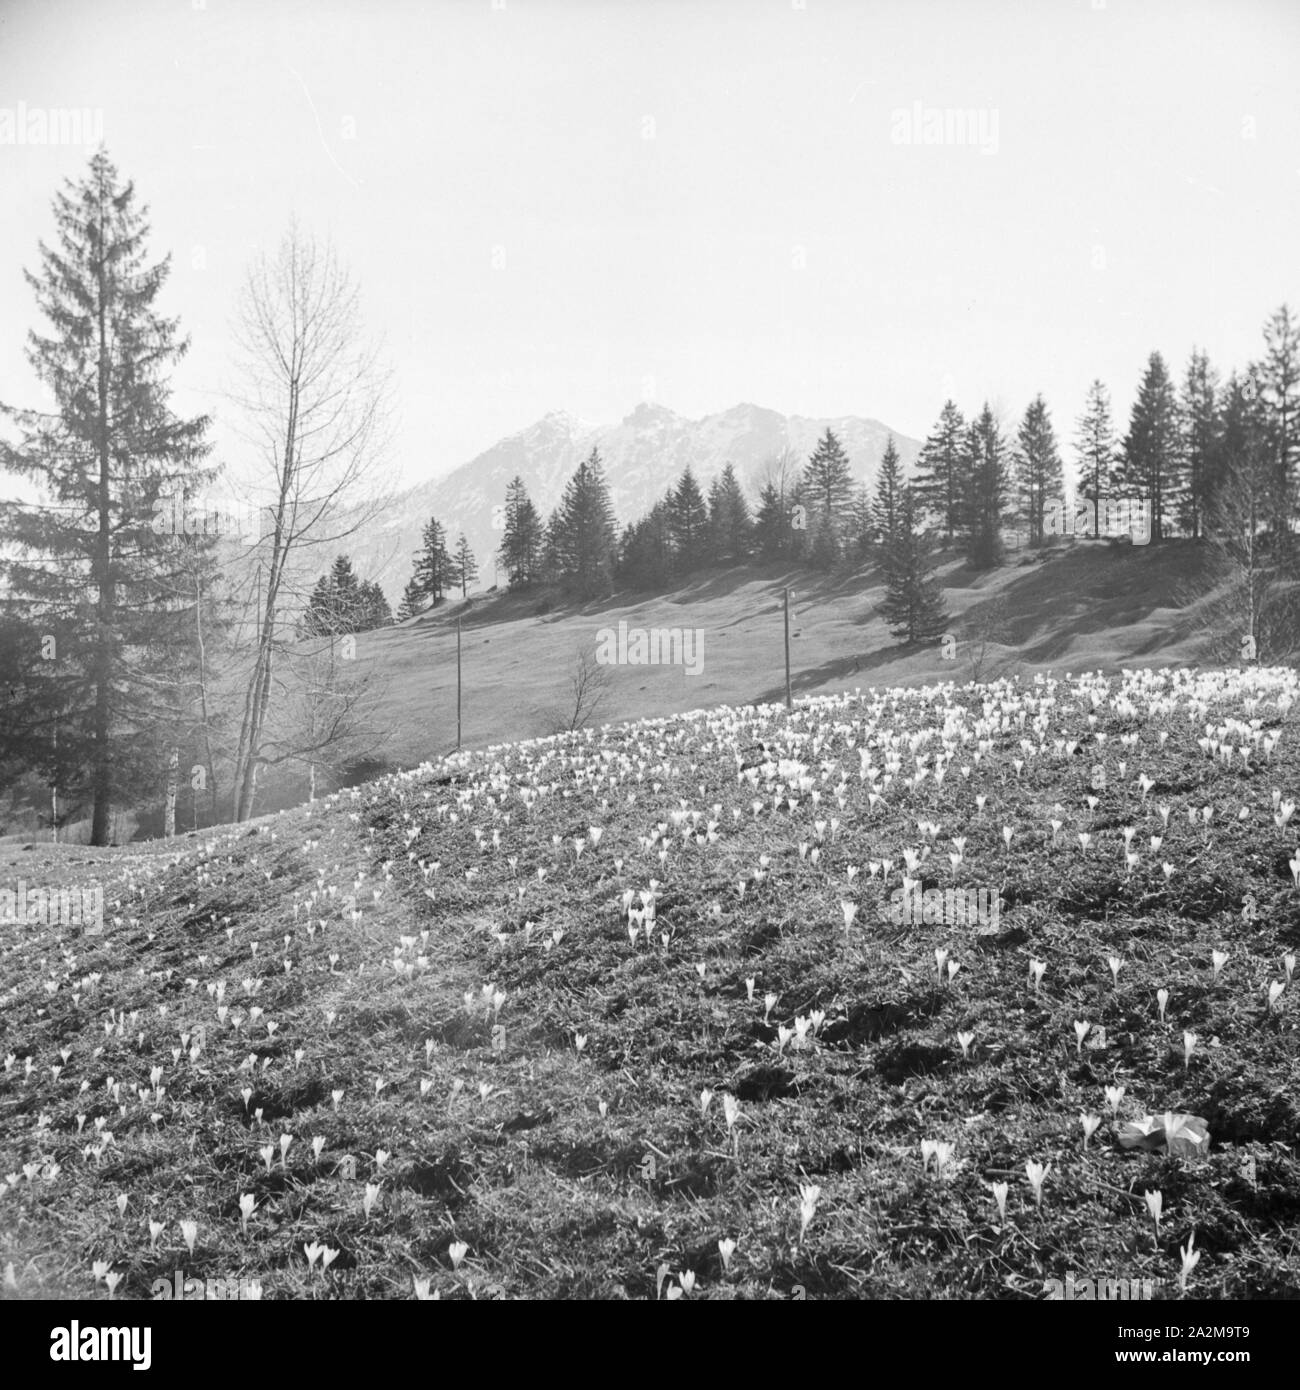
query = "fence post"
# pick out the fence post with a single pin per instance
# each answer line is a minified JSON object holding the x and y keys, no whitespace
{"x":788,"y":702}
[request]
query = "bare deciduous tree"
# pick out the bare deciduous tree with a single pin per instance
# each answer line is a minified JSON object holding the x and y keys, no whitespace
{"x":986,"y":628}
{"x":1250,"y":613}
{"x":783,"y":470}
{"x":326,"y":716}
{"x":588,"y":686}
{"x":316,"y":402}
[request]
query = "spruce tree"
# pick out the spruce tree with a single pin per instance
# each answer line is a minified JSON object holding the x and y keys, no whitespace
{"x":627,"y":558}
{"x":987,"y":482}
{"x":690,"y":522}
{"x":550,"y":563}
{"x":1151,"y":465}
{"x":828,"y":490}
{"x":1038,"y":467}
{"x":412,"y":600}
{"x":432,"y":563}
{"x":658,"y":531}
{"x":345,"y":594}
{"x":89,"y":566}
{"x":730,"y":525}
{"x":1199,"y":430}
{"x":940,"y":485}
{"x":715,"y":527}
{"x":646,"y":551}
{"x":913,"y":605}
{"x":771,"y":525}
{"x":520,"y":552}
{"x":337,"y":603}
{"x":825,"y":544}
{"x":318,"y":620}
{"x":581,"y":538}
{"x":372,"y":607}
{"x":860,"y":526}
{"x":1095,"y":446}
{"x":464,"y":566}
{"x":889,"y":491}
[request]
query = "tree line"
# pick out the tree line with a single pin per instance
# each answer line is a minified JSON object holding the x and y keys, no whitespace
{"x":1206,"y":458}
{"x":438,"y":571}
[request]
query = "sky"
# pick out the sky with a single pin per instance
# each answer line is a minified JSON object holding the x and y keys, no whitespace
{"x":819,"y":206}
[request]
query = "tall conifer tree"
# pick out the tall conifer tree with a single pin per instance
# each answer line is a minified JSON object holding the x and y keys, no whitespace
{"x":987,"y":481}
{"x":464,"y":565}
{"x":940,"y":485}
{"x":889,"y":491}
{"x":730,"y":525}
{"x":913,"y":605}
{"x":581,"y":535}
{"x":96,"y":563}
{"x":690,"y":521}
{"x":433,"y":565}
{"x":1151,"y":465}
{"x":827,"y":489}
{"x":1200,"y":429}
{"x":1038,"y":467}
{"x":1095,"y":446}
{"x":522,"y":538}
{"x":771,"y":525}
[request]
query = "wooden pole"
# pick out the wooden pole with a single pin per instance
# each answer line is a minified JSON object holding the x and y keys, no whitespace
{"x":173,"y":775}
{"x":789,"y":704}
{"x":458,"y":685}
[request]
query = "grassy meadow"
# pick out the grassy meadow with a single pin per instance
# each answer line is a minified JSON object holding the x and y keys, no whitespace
{"x":1083,"y":607}
{"x":624,"y":1015}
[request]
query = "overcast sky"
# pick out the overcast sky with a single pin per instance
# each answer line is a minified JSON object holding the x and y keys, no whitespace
{"x":564,"y":204}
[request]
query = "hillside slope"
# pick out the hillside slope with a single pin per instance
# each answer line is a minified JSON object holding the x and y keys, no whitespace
{"x":1087,"y":608}
{"x":627,"y":1015}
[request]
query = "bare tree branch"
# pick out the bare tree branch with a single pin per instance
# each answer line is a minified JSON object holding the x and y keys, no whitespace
{"x":316,"y":406}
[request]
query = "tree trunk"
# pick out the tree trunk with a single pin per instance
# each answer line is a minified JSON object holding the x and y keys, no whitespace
{"x":259,"y":691}
{"x":169,"y":816}
{"x":203,"y":699}
{"x":102,"y":774}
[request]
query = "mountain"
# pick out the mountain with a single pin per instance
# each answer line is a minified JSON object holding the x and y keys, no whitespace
{"x":642,"y":455}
